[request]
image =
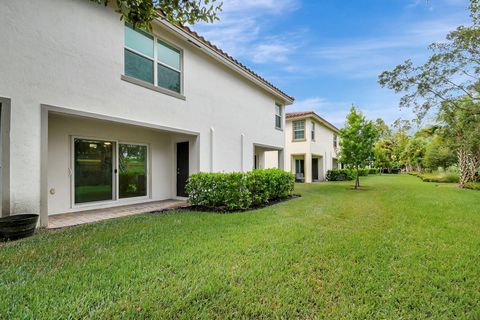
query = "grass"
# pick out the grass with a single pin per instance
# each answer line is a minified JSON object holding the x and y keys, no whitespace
{"x":398,"y":249}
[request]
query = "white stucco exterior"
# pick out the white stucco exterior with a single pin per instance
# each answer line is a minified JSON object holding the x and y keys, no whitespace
{"x":321,"y":148}
{"x":61,"y":65}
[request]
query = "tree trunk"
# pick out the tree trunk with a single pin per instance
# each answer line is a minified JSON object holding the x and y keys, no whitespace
{"x":462,"y":167}
{"x":357,"y":181}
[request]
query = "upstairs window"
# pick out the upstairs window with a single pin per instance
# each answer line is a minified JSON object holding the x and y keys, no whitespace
{"x":168,"y":70}
{"x":335,"y":142}
{"x":278,"y":116}
{"x":152,"y":60}
{"x":139,"y":55}
{"x":298,"y":130}
{"x":313,"y":131}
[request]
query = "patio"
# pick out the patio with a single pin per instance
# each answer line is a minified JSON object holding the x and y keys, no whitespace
{"x":89,"y":216}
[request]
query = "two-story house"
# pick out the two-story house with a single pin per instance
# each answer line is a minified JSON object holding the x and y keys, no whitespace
{"x":311,"y":146}
{"x":97,"y":114}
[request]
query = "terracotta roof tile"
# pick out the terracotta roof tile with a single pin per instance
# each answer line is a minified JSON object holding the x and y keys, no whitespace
{"x":306,"y":114}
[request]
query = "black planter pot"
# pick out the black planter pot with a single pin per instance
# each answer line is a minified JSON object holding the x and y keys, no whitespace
{"x":18,"y":226}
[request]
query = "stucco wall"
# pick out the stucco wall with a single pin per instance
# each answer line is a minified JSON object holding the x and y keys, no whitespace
{"x":69,"y":53}
{"x":161,"y":149}
{"x":321,"y":147}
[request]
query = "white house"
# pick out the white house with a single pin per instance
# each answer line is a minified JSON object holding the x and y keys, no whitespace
{"x":311,"y":146}
{"x":96,"y":114}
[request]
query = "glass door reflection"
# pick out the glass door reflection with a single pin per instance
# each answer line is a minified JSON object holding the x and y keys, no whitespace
{"x":93,"y":170}
{"x":132,"y":165}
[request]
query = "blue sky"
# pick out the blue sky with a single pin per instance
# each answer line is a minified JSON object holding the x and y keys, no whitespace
{"x":328,"y":53}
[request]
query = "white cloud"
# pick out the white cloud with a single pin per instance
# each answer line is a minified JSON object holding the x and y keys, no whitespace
{"x":242,"y":33}
{"x":336,"y":112}
{"x":366,"y":58}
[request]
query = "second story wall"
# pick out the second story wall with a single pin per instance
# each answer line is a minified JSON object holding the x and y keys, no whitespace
{"x":70,"y":53}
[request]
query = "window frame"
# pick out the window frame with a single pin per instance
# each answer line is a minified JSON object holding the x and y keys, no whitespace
{"x":279,"y":115}
{"x":295,"y":130}
{"x":155,"y":42}
{"x":335,"y":140}
{"x":312,"y":131}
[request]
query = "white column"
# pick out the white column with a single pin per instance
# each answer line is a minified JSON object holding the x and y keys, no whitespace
{"x":308,"y":167}
{"x":242,"y":152}
{"x":281,"y":160}
{"x":212,"y":142}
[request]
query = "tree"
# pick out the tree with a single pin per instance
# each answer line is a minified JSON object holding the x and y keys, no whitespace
{"x":400,"y":141}
{"x":357,"y":138}
{"x":382,"y":149}
{"x":439,"y":153}
{"x":382,"y":152}
{"x":140,"y":13}
{"x":414,"y":153}
{"x":462,"y":130}
{"x":451,"y":72}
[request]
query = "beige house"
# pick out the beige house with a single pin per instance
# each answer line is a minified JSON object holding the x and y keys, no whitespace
{"x":311,"y":146}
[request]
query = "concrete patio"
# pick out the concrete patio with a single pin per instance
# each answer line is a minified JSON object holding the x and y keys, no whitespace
{"x":90,"y":216}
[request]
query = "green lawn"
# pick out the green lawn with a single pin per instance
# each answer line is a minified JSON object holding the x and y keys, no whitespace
{"x":401,"y":248}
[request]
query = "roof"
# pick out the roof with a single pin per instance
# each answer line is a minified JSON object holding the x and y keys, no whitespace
{"x":231,"y":59}
{"x":310,"y":114}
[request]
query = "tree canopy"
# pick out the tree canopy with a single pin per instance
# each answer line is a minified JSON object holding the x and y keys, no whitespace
{"x":451,"y":72}
{"x":140,"y":13}
{"x":357,"y":139}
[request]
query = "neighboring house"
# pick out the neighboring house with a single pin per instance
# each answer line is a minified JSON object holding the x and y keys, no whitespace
{"x":311,"y":146}
{"x":96,"y":114}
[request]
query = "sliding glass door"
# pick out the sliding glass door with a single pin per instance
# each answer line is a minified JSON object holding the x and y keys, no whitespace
{"x":95,"y":170}
{"x":94,"y":163}
{"x":132,"y":167}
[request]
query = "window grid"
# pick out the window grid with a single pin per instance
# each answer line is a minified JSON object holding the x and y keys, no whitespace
{"x":313,"y":131}
{"x":299,"y":130}
{"x":155,"y":60}
{"x":278,"y":116}
{"x":335,"y":143}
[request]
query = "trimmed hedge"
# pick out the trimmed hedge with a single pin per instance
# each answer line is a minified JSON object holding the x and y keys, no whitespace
{"x":340,"y":175}
{"x":239,"y":191}
{"x":349,"y":174}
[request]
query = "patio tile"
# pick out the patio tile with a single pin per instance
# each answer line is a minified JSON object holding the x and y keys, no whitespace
{"x":90,"y":216}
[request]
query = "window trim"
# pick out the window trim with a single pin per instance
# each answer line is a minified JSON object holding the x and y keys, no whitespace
{"x":148,"y":85}
{"x":293,"y":131}
{"x":312,"y":131}
{"x":280,"y":108}
{"x":152,"y":87}
{"x":335,"y":140}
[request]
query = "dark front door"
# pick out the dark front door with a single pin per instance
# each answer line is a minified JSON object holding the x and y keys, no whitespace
{"x":182,"y":168}
{"x":315,"y":169}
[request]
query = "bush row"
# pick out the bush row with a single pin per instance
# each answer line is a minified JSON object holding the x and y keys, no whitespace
{"x":441,"y":177}
{"x":349,"y":174}
{"x":239,"y":191}
{"x":473,"y":185}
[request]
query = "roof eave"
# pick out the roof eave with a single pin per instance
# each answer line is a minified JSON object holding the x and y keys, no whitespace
{"x":315,"y":116}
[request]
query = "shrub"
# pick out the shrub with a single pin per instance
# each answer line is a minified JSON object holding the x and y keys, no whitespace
{"x":449,"y":176}
{"x":259,"y":186}
{"x":473,"y":185}
{"x":239,"y":191}
{"x":340,"y":175}
{"x":362,"y":172}
{"x":281,"y":183}
{"x":373,"y":171}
